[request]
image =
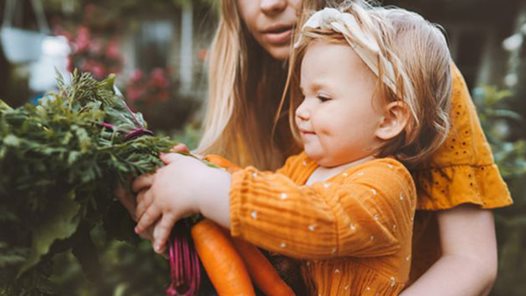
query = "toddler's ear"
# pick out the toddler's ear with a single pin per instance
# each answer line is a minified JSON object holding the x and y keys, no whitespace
{"x":394,"y":121}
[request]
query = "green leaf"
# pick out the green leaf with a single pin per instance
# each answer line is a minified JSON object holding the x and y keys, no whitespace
{"x":11,"y":140}
{"x":60,"y":225}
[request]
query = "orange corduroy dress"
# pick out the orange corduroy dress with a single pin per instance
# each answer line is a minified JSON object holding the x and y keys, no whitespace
{"x":351,"y":232}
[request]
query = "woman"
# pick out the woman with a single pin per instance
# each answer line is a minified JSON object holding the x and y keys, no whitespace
{"x":454,"y":244}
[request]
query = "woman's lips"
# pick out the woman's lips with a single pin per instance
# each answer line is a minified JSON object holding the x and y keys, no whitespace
{"x":278,"y":36}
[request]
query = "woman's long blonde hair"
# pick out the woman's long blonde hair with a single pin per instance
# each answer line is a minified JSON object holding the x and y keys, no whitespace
{"x":245,"y":87}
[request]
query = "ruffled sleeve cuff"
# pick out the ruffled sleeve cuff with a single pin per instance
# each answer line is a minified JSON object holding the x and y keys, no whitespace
{"x":450,"y":186}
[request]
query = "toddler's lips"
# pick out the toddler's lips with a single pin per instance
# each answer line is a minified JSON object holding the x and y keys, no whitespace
{"x":306,"y":133}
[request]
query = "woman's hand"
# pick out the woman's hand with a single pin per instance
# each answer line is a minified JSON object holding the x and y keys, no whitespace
{"x":127,"y":199}
{"x":183,"y":187}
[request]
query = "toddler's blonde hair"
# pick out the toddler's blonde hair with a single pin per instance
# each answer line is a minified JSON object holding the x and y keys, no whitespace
{"x":421,"y":60}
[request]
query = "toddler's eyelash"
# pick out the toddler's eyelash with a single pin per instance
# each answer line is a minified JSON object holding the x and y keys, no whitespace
{"x":323,"y":98}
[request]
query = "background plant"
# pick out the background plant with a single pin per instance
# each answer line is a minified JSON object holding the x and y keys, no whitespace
{"x":500,"y":123}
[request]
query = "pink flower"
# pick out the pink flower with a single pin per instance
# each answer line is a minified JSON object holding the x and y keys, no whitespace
{"x":112,"y":50}
{"x":98,"y":70}
{"x":158,"y":78}
{"x":82,"y":42}
{"x":134,"y":93}
{"x":96,"y":47}
{"x":136,"y":76}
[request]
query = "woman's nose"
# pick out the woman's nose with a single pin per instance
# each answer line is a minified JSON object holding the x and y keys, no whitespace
{"x":271,"y":7}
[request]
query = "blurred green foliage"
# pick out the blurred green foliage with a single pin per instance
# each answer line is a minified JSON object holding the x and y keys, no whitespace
{"x":500,"y":124}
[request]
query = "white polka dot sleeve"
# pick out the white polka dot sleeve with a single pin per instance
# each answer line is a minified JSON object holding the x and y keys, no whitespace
{"x":364,"y":211}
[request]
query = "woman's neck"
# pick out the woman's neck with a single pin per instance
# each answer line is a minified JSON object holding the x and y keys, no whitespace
{"x":323,"y":173}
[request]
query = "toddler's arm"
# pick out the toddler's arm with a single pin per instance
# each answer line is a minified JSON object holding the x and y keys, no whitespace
{"x":363,"y":214}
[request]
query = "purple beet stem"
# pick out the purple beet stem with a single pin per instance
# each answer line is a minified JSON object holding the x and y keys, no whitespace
{"x":185,"y":269}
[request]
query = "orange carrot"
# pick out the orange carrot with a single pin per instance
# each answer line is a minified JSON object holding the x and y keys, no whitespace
{"x":222,"y":263}
{"x":261,"y":270}
{"x":222,"y":162}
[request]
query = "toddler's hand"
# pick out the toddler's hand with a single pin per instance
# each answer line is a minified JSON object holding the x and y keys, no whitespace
{"x":169,"y":196}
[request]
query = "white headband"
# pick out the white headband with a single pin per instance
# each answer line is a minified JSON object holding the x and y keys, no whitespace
{"x":364,"y":46}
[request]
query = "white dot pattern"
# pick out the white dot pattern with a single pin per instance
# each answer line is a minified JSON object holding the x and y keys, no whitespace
{"x":392,"y":281}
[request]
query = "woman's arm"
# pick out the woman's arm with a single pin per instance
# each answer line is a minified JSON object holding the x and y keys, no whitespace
{"x":468,"y":265}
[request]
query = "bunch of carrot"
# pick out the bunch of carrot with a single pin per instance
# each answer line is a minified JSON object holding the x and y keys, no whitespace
{"x":231,"y":264}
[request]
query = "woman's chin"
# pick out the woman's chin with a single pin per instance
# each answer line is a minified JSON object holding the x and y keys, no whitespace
{"x":279,"y":53}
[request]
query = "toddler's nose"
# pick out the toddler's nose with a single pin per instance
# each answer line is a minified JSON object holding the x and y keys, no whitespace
{"x":302,"y":112}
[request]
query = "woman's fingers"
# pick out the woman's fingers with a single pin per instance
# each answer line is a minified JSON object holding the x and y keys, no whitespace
{"x":126,"y":199}
{"x":148,"y":219}
{"x":162,"y":231}
{"x":144,"y":201}
{"x":147,"y":234}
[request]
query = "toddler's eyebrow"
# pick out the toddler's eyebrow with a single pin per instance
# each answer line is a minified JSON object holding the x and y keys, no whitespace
{"x":314,"y":86}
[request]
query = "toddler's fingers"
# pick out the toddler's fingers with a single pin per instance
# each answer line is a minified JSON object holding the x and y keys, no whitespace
{"x":168,"y":158}
{"x":150,"y":216}
{"x":142,"y":182}
{"x":180,"y":148}
{"x":161,"y":232}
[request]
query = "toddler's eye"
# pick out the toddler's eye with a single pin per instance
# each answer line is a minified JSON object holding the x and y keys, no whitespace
{"x":323,"y":98}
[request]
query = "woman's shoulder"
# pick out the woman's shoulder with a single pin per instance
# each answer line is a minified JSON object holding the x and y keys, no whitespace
{"x":462,"y":170}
